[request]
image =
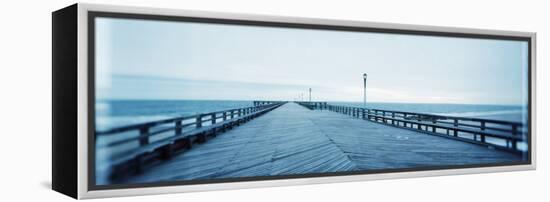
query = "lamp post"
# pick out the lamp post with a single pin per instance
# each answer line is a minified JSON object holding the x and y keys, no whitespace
{"x":309,"y":94}
{"x":365,"y":90}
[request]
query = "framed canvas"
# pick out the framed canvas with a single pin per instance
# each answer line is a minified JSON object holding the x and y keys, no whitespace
{"x":149,"y":101}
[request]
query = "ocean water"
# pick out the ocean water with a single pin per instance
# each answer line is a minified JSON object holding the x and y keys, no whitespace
{"x":116,"y":113}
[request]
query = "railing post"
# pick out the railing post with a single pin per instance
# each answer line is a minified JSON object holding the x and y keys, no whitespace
{"x":482,"y":125}
{"x":213,"y":118}
{"x":198,"y":122}
{"x":514,"y":133}
{"x":232,"y":114}
{"x":514,"y":130}
{"x":178,"y":127}
{"x":368,"y":114}
{"x":455,"y":132}
{"x":433,"y":122}
{"x":224,"y":115}
{"x":144,"y":136}
{"x":239,"y":111}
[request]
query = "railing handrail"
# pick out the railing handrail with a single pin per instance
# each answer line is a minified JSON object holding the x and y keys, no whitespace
{"x":510,"y":131}
{"x":441,"y":116}
{"x":150,"y":124}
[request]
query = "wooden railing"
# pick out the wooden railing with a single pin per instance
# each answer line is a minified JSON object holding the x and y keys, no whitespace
{"x":504,"y":135}
{"x":159,"y":140}
{"x":313,"y":105}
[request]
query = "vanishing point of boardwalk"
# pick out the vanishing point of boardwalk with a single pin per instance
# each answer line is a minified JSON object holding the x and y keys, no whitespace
{"x":292,"y":139}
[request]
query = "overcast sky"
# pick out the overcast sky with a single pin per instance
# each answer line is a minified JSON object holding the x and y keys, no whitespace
{"x":144,"y":59}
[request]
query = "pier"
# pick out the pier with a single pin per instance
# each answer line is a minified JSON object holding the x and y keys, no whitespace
{"x":285,"y":138}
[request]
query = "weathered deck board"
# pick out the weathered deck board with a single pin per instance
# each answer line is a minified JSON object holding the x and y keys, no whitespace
{"x":294,"y":140}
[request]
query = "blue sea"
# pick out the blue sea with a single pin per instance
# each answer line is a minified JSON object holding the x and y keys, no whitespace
{"x":115,"y":113}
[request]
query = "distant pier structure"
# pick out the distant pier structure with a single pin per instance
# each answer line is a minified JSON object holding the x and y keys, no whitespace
{"x":314,"y":105}
{"x":265,"y":102}
{"x":285,"y":138}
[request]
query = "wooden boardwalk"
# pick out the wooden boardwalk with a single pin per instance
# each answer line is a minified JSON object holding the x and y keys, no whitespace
{"x":294,"y":140}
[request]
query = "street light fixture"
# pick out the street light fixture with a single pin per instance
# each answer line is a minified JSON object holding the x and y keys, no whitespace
{"x":365,"y":90}
{"x":309,"y":94}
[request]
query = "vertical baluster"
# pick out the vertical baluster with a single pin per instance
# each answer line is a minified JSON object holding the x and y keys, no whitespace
{"x":198,"y":122}
{"x":178,"y":127}
{"x":144,"y":136}
{"x":455,"y":132}
{"x":514,"y":133}
{"x":434,"y":120}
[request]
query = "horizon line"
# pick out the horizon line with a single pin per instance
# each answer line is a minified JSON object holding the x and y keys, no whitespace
{"x":176,"y":99}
